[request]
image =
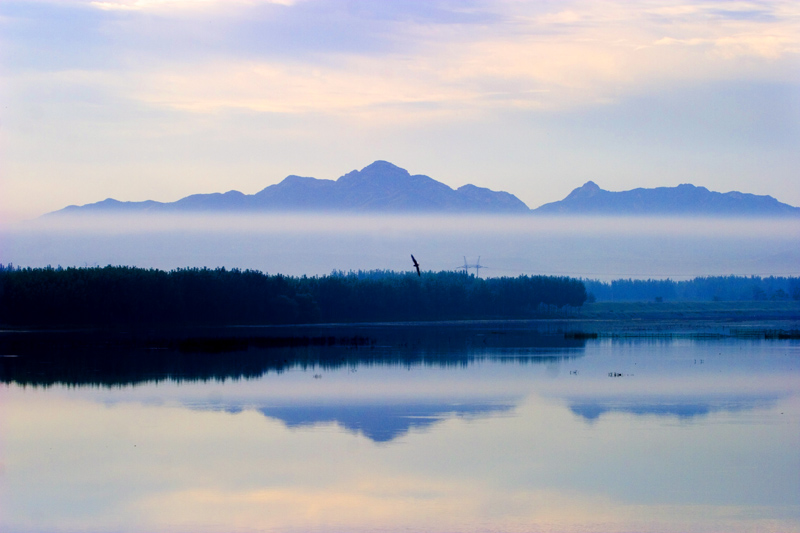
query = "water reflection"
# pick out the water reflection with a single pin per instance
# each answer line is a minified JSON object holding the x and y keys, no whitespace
{"x":680,"y":407}
{"x":380,"y":423}
{"x":412,"y":437}
{"x":114,"y":358}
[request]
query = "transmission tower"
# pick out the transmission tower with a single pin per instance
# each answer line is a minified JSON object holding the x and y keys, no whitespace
{"x":477,"y":266}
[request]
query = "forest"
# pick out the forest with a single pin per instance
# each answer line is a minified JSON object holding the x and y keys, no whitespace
{"x":120,"y":295}
{"x":711,"y":288}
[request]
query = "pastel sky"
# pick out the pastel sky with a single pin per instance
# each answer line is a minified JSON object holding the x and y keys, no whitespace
{"x":159,"y":99}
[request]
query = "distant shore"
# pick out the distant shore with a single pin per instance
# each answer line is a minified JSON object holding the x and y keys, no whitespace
{"x":111,"y":356}
{"x":737,"y":318}
{"x":730,"y":318}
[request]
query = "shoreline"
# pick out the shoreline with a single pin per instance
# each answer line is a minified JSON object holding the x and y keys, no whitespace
{"x":132,"y":355}
{"x":769,"y":319}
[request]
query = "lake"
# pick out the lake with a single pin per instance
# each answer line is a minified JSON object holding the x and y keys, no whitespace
{"x":480,"y":430}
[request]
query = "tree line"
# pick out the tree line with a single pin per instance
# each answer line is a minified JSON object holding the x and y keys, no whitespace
{"x":120,"y":295}
{"x":711,"y":288}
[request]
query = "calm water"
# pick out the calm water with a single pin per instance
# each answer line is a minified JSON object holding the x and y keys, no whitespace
{"x":642,"y":435}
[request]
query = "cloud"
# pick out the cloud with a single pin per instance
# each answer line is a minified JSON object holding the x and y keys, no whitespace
{"x":526,"y":84}
{"x":430,"y":59}
{"x":358,"y":91}
{"x":766,"y":46}
{"x":142,"y":5}
{"x":521,"y":59}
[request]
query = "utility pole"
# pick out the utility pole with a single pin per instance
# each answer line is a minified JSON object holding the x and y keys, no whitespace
{"x":477,"y":266}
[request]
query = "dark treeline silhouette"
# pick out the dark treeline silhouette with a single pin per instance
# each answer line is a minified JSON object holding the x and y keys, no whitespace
{"x":128,"y":295}
{"x":109,"y":369}
{"x":127,"y":357}
{"x":713,"y":288}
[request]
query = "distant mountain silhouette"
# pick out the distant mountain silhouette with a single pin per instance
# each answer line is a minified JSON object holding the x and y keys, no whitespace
{"x":684,"y":199}
{"x":386,"y":188}
{"x":379,"y":187}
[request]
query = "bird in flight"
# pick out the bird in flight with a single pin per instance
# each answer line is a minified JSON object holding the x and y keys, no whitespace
{"x":416,"y":265}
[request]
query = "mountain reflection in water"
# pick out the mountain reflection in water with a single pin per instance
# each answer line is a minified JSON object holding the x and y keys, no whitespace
{"x":680,"y":407}
{"x":380,"y":423}
{"x":450,"y":430}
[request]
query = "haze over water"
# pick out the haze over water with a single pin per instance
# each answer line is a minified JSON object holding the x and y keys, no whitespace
{"x":306,"y":244}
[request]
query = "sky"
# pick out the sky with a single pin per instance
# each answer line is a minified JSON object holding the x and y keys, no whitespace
{"x":160,"y":99}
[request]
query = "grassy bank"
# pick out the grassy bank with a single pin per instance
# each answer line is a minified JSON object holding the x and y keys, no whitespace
{"x":733,"y":311}
{"x":749,"y":319}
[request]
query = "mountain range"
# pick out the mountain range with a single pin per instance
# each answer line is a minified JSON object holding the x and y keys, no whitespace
{"x":684,"y":199}
{"x":386,"y":188}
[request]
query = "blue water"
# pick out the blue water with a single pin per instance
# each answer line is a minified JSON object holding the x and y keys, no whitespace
{"x":636,"y":435}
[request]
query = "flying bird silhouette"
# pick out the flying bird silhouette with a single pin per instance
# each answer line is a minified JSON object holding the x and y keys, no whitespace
{"x":416,"y":265}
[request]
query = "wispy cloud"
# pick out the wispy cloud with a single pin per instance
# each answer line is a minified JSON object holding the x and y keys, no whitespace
{"x":501,"y":55}
{"x":141,"y":5}
{"x":311,"y":69}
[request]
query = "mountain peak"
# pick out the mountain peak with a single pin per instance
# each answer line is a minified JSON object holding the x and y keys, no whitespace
{"x":383,"y":166}
{"x":684,"y":200}
{"x":379,"y":171}
{"x":380,"y":187}
{"x":383,"y":186}
{"x":588,"y":190}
